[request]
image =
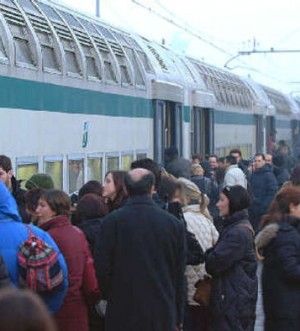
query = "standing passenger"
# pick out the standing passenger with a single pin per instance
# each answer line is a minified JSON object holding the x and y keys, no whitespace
{"x":175,"y":165}
{"x":114,"y":191}
{"x":7,"y":177}
{"x":13,"y":235}
{"x":233,"y":174}
{"x":141,"y":262}
{"x":279,"y":244}
{"x":53,"y":211}
{"x":263,"y":187}
{"x":198,"y":222}
{"x":232,"y":265}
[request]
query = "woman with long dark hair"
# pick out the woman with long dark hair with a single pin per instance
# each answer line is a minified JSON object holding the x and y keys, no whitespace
{"x":278,"y":245}
{"x":114,"y":190}
{"x":232,"y":265}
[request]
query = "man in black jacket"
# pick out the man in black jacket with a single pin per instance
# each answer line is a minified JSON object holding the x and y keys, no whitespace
{"x":195,"y":254}
{"x":7,"y":177}
{"x":264,"y":187}
{"x":141,"y":262}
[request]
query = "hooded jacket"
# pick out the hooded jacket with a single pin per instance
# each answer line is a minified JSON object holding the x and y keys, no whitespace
{"x":279,"y":245}
{"x":13,"y":234}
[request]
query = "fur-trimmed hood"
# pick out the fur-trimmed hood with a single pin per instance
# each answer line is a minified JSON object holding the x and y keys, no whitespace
{"x":265,"y":236}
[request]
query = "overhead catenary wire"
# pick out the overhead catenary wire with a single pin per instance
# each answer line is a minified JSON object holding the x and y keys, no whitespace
{"x":204,"y":40}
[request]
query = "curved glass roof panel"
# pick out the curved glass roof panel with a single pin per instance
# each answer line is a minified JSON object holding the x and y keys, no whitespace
{"x":25,"y":52}
{"x":229,"y":89}
{"x":278,"y":100}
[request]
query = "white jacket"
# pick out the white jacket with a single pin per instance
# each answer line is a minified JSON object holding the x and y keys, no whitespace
{"x":207,"y":235}
{"x":235,"y":176}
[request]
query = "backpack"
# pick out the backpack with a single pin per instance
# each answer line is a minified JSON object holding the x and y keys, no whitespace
{"x":39,"y":268}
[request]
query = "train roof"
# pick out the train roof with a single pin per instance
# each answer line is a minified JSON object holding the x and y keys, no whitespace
{"x":59,"y":41}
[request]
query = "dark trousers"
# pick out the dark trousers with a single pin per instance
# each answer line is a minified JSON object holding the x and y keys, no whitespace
{"x":282,"y":324}
{"x":196,"y":318}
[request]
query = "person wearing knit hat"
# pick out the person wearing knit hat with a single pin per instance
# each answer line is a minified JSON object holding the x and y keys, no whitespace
{"x":42,"y":181}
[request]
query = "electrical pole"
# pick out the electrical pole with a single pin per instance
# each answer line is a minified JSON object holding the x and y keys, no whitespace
{"x":98,"y":8}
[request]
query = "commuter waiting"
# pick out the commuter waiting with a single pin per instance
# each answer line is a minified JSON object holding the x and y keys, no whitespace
{"x":279,"y":245}
{"x":53,"y":210}
{"x":141,"y":262}
{"x":232,"y":265}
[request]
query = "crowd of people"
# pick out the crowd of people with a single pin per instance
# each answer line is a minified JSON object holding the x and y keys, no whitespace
{"x":155,"y":248}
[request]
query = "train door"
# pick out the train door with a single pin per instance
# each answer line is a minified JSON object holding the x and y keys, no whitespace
{"x":167,"y":127}
{"x":259,"y":124}
{"x":202,"y":132}
{"x":270,"y":133}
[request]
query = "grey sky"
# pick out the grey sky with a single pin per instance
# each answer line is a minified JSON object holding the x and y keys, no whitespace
{"x":230,"y":24}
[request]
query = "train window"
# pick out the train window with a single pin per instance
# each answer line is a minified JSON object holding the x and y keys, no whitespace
{"x":124,"y":74}
{"x":112,"y":163}
{"x":55,"y":170}
{"x":49,"y":11}
{"x":76,"y":176}
{"x":107,"y":58}
{"x":28,"y":5}
{"x":94,"y":170}
{"x":105,"y":32}
{"x":69,"y":47}
{"x":145,"y":61}
{"x":44,"y":34}
{"x":20,"y":33}
{"x":91,"y":57}
{"x":70,"y":19}
{"x":140,"y":156}
{"x":122,"y":61}
{"x":136,"y":67}
{"x":25,"y":171}
{"x":126,"y":161}
{"x":2,"y":49}
{"x":88,"y":25}
{"x":159,"y":59}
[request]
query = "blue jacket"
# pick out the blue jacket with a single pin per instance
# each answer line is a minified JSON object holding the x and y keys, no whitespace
{"x":13,"y":234}
{"x":263,"y":187}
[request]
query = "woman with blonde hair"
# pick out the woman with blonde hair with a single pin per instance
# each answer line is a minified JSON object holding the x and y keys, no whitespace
{"x":200,"y":224}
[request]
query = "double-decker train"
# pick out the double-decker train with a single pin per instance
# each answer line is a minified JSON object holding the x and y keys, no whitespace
{"x":79,"y":97}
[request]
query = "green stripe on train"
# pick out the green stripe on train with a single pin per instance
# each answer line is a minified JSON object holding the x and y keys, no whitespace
{"x":26,"y":94}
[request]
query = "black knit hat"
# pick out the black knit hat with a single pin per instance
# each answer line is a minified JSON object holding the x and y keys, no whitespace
{"x":238,"y":198}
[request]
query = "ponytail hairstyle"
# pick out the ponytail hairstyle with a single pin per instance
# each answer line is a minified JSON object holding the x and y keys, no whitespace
{"x":191,"y":195}
{"x":280,"y":206}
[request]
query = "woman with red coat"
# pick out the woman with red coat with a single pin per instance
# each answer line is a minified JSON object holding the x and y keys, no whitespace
{"x":53,"y":210}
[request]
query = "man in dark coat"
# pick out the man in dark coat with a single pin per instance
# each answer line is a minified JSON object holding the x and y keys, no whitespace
{"x":263,"y":187}
{"x":141,"y":262}
{"x":195,"y":254}
{"x":175,"y":165}
{"x":7,"y":177}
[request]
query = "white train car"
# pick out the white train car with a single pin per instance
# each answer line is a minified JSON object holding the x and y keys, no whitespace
{"x":79,"y":98}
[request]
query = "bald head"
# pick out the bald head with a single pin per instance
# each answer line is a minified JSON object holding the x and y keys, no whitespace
{"x":139,"y":181}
